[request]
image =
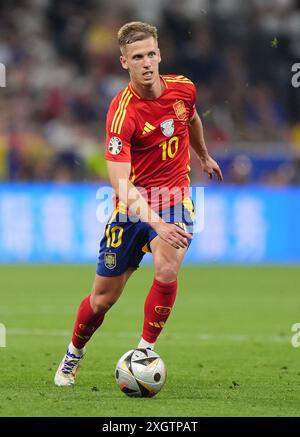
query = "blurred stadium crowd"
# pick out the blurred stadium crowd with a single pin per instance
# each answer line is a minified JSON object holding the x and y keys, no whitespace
{"x":62,"y":68}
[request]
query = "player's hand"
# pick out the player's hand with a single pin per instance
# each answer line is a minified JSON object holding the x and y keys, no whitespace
{"x":173,"y":235}
{"x":210,"y":167}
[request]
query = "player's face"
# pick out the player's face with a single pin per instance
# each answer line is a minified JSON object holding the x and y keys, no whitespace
{"x":141,"y":59}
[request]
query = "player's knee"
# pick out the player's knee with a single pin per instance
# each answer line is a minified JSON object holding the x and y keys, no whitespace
{"x":101,"y":303}
{"x":166,"y":272}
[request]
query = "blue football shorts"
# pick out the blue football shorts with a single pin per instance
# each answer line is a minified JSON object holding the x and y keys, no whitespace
{"x":126,"y":241}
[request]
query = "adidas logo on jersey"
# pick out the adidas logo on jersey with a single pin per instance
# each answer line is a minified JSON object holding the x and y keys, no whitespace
{"x":148,"y":128}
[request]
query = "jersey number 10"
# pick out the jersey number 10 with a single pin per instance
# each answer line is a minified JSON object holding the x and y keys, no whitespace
{"x":169,"y":148}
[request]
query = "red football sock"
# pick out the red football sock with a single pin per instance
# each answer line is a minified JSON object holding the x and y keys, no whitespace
{"x":158,"y":305}
{"x":86,"y":323}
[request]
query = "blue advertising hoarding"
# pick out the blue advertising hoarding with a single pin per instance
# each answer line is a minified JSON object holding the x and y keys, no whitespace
{"x":64,"y":223}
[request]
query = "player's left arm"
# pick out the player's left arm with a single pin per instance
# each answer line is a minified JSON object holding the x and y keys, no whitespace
{"x":197,"y":142}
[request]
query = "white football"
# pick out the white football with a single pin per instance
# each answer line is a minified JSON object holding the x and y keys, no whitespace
{"x":141,"y":373}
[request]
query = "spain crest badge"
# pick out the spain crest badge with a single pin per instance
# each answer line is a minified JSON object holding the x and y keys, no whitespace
{"x":180,"y":110}
{"x":110,"y":260}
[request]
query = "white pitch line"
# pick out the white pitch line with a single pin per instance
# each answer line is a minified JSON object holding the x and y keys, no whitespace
{"x":38,"y":332}
{"x":175,"y":335}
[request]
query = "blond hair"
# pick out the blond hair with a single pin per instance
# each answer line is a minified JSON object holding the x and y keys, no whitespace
{"x":135,"y":31}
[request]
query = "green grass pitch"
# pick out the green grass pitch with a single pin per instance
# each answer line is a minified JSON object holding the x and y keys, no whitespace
{"x":227,"y":344}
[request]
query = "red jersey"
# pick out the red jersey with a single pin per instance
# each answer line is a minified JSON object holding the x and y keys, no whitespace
{"x":153,"y":135}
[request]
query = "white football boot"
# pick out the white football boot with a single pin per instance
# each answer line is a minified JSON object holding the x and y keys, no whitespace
{"x":68,"y":368}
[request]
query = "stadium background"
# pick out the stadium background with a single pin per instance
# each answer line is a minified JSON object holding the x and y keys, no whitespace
{"x":62,"y":69}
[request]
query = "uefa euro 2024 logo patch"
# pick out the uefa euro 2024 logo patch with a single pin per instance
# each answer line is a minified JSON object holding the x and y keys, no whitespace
{"x":167,"y":127}
{"x":115,"y":146}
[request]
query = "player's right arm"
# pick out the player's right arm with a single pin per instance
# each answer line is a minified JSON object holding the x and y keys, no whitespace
{"x":119,"y":174}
